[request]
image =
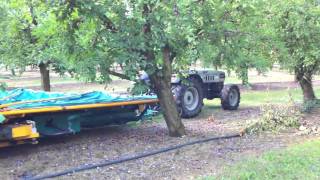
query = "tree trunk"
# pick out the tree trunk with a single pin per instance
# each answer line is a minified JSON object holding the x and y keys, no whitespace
{"x":13,"y":72}
{"x":45,"y":76}
{"x":244,"y":76}
{"x":169,"y":107}
{"x":305,"y":81}
{"x":22,"y":70}
{"x":161,"y":80}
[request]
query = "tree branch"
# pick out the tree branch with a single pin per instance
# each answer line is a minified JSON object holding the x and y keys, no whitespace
{"x":122,"y":76}
{"x":108,"y":23}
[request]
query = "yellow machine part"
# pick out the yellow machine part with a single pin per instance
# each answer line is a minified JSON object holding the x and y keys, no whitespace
{"x":20,"y":134}
{"x":24,"y":132}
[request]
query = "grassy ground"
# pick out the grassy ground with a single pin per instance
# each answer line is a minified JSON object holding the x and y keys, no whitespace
{"x":271,"y":76}
{"x":258,"y":98}
{"x":249,"y":99}
{"x":296,"y":162}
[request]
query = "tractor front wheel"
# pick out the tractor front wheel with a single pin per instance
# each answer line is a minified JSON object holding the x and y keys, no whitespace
{"x":230,"y":97}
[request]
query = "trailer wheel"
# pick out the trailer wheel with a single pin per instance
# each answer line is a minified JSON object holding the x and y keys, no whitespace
{"x":189,"y":98}
{"x":230,"y":97}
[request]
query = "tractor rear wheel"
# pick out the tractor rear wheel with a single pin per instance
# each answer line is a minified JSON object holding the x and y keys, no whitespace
{"x":189,"y":98}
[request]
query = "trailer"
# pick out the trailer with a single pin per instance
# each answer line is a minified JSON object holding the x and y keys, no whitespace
{"x":27,"y":115}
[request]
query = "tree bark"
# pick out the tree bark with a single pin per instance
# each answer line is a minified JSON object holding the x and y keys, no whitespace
{"x":305,"y":81}
{"x":161,"y":80}
{"x":244,"y":75}
{"x":122,"y":76}
{"x":13,"y":72}
{"x":45,"y":76}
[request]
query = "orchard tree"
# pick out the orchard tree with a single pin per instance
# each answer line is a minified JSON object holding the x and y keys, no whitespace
{"x":30,"y":35}
{"x":14,"y":43}
{"x":234,"y":35}
{"x":298,"y":30}
{"x":157,"y":37}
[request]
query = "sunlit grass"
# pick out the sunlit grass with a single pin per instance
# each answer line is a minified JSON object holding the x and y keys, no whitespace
{"x":257,"y":98}
{"x":296,"y":162}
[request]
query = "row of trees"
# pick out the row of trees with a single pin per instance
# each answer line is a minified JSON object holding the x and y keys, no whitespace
{"x":161,"y":37}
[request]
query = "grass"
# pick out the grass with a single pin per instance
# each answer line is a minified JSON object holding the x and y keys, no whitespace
{"x":258,"y":98}
{"x":249,"y":99}
{"x":271,"y":76}
{"x":296,"y":162}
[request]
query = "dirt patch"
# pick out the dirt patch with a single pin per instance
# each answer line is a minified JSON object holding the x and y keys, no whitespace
{"x":57,"y":154}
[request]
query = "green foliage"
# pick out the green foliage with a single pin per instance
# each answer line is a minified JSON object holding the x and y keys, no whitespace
{"x":88,"y":39}
{"x":30,"y":34}
{"x":234,"y":35}
{"x":221,"y":34}
{"x":297,"y":38}
{"x":139,"y":88}
{"x":107,"y":34}
{"x":297,"y":25}
{"x":13,"y":42}
{"x":296,"y":162}
{"x":276,"y":118}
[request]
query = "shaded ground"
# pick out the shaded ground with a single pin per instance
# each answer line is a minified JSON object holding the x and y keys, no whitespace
{"x":109,"y":143}
{"x":56,"y":154}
